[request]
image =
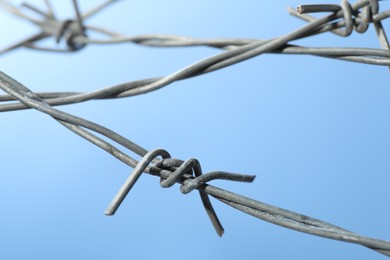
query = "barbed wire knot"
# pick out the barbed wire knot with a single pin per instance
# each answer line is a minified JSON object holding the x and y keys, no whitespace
{"x":171,"y":171}
{"x":72,"y":31}
{"x":69,"y":29}
{"x":355,"y":18}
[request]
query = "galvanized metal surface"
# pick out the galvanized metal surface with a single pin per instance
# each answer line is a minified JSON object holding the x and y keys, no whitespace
{"x":342,"y":20}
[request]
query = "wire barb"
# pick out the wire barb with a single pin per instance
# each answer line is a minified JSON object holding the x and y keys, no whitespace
{"x":182,"y":173}
{"x":353,"y":19}
{"x":50,"y":26}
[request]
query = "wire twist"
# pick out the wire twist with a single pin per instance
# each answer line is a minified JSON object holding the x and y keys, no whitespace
{"x":70,"y":30}
{"x":188,"y":173}
{"x":353,"y":18}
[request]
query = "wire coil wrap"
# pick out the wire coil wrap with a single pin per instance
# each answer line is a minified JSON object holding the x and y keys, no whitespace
{"x":354,"y":19}
{"x":69,"y":30}
{"x":188,"y":173}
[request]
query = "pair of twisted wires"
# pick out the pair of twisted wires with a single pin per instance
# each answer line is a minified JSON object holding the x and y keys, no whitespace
{"x":236,"y":50}
{"x":272,"y":214}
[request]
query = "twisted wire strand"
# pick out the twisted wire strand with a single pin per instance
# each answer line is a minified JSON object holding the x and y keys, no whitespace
{"x":188,"y":173}
{"x":143,"y":86}
{"x":235,"y":50}
{"x":50,"y":26}
{"x":181,"y":173}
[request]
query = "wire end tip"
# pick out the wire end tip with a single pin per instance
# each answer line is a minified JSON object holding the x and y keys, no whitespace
{"x":109,"y":212}
{"x":252,"y":178}
{"x":300,"y":9}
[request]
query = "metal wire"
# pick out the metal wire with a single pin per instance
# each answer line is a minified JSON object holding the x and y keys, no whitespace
{"x":172,"y":171}
{"x":236,"y":50}
{"x":342,"y":21}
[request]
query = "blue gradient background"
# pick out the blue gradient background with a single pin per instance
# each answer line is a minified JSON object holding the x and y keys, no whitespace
{"x":315,"y":131}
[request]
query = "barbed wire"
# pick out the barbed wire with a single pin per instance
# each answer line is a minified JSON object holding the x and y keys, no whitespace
{"x":173,"y":170}
{"x":342,"y":20}
{"x":236,"y":50}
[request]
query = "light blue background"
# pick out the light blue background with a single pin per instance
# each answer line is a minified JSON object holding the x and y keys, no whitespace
{"x":315,"y":132}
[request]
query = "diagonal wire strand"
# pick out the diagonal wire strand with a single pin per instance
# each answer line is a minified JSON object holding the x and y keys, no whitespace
{"x":272,"y":214}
